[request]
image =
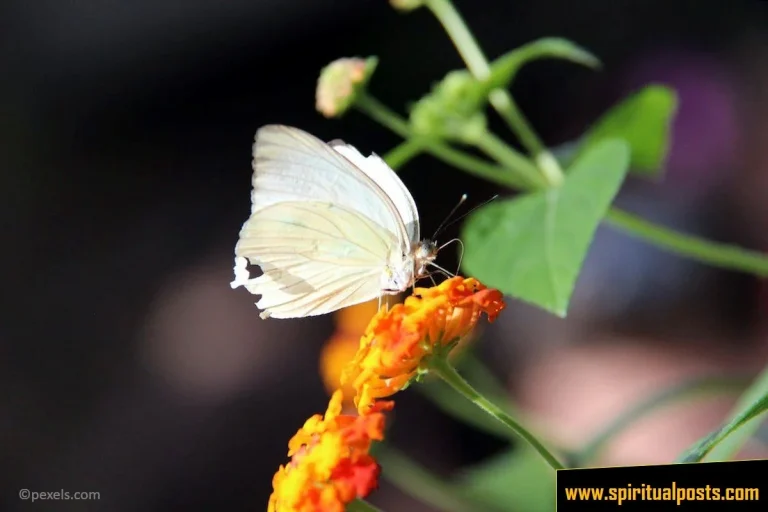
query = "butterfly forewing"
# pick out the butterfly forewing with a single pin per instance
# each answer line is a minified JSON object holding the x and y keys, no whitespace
{"x":328,"y":227}
{"x":378,"y":170}
{"x":292,"y":165}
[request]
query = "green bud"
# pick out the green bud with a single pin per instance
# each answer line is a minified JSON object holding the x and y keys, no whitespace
{"x":452,"y":110}
{"x":340,"y":82}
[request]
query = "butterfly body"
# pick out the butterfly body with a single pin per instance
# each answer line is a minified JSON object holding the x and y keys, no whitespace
{"x":328,"y":227}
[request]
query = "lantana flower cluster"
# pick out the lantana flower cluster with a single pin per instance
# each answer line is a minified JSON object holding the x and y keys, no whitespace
{"x":331,"y":464}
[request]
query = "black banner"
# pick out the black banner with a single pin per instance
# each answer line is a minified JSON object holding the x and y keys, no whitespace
{"x":727,"y":486}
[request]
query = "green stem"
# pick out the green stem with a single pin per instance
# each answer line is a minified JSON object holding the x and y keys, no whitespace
{"x":458,"y":159}
{"x":462,"y":38}
{"x":402,"y":153}
{"x":716,"y":254}
{"x":700,"y":249}
{"x":500,"y":99}
{"x":418,"y":482}
{"x":726,"y":441}
{"x":700,"y":386}
{"x":444,"y":399}
{"x":440,"y":366}
{"x":361,"y":506}
{"x":482,"y":377}
{"x":377,"y":111}
{"x":504,"y":154}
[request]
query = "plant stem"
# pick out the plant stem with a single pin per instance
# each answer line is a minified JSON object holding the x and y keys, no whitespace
{"x":699,"y":386}
{"x":402,"y":153}
{"x":442,"y":396}
{"x":504,"y":154}
{"x":462,"y":38}
{"x":699,"y":249}
{"x":734,"y":442}
{"x":361,"y":506}
{"x":440,"y":366}
{"x":501,"y":100}
{"x":484,"y":380}
{"x":377,"y":111}
{"x":716,"y":254}
{"x":458,"y":159}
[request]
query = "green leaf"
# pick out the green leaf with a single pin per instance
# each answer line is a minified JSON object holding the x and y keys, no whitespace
{"x":532,"y":247}
{"x":644,"y":120}
{"x":726,"y":441}
{"x":505,"y":68}
{"x":418,"y":482}
{"x":566,"y":152}
{"x":517,"y":480}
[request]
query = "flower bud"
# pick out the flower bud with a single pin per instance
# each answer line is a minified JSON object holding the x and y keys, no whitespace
{"x":452,"y":110}
{"x":340,"y":82}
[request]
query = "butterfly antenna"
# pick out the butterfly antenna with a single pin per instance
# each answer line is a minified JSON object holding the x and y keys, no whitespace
{"x":447,"y":217}
{"x":470,"y":211}
{"x":442,"y":270}
{"x":461,"y":255}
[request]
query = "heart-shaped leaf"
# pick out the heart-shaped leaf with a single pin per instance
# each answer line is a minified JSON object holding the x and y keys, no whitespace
{"x":533,"y":247}
{"x":644,"y":120}
{"x":505,"y":68}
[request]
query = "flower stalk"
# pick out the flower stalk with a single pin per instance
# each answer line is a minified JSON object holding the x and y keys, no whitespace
{"x":717,"y":254}
{"x":500,"y":99}
{"x":439,"y":366}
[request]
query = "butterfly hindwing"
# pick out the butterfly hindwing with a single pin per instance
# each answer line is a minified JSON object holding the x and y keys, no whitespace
{"x":315,"y":257}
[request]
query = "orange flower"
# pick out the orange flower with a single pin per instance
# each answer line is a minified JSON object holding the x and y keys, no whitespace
{"x":330,"y":464}
{"x":398,"y":340}
{"x":342,"y":346}
{"x":337,"y":352}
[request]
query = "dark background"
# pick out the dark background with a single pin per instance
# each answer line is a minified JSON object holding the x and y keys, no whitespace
{"x":127,"y":364}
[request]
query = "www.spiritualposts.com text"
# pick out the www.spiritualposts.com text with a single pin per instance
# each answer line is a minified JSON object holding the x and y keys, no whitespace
{"x":674,"y":493}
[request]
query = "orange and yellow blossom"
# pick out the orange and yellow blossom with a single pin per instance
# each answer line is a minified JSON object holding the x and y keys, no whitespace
{"x":330,"y":461}
{"x":341,"y":347}
{"x":397,"y":340}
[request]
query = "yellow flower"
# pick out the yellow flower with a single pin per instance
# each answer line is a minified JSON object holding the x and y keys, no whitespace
{"x":337,"y":352}
{"x":330,"y":461}
{"x":397,"y":340}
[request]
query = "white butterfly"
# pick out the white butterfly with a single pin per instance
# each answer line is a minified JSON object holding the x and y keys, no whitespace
{"x":328,"y":227}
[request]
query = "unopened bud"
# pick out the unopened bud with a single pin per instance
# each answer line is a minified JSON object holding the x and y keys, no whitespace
{"x":340,"y":82}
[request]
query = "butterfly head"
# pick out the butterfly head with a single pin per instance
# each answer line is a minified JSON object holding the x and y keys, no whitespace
{"x":424,"y":253}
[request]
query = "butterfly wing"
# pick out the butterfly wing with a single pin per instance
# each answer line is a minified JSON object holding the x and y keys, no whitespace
{"x":292,"y":165}
{"x":316,"y":257}
{"x":378,"y":170}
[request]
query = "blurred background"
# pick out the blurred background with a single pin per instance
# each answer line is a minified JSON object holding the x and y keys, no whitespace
{"x":127,"y":364}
